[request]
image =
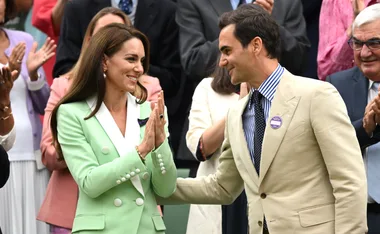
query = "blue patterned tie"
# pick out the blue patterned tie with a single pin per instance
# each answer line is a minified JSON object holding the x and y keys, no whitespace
{"x":373,"y":166}
{"x":259,"y":129}
{"x":259,"y":134}
{"x":126,"y":6}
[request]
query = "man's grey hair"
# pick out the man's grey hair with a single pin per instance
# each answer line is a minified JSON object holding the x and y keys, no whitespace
{"x":368,"y":15}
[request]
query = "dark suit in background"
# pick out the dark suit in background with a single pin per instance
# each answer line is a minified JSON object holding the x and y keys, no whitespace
{"x":4,"y":167}
{"x":156,"y":19}
{"x":353,"y":86}
{"x":198,"y":32}
{"x":311,"y":10}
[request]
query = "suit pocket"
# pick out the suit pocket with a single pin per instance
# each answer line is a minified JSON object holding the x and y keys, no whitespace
{"x":159,"y":224}
{"x":88,"y":223}
{"x":317,"y":215}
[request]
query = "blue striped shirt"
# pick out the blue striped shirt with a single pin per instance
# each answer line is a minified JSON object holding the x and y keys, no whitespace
{"x":267,"y":89}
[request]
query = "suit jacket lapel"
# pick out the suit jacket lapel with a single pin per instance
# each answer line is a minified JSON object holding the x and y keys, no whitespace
{"x":221,"y":6}
{"x":108,"y":124}
{"x":145,"y":14}
{"x":245,"y":155}
{"x":284,"y":104}
{"x":360,"y":96}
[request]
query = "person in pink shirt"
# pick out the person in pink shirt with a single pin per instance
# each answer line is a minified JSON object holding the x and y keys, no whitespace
{"x":46,"y":16}
{"x":334,"y":53}
{"x":58,"y":208}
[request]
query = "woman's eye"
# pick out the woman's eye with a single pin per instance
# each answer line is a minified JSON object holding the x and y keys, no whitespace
{"x":131,"y":59}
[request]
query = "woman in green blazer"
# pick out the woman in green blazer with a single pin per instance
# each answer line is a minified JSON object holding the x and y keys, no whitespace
{"x":115,"y":145}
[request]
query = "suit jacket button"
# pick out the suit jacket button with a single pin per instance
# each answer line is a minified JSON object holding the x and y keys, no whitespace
{"x":117,"y":202}
{"x":260,"y":223}
{"x":139,"y":201}
{"x":105,"y":150}
{"x":118,"y":181}
{"x":132,"y":173}
{"x":137,"y":171}
{"x":146,"y":176}
{"x":263,"y":195}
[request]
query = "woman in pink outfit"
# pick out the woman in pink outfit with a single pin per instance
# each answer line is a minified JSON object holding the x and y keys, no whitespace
{"x":58,"y":208}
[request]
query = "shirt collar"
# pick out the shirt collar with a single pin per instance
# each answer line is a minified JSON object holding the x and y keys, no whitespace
{"x":269,"y":86}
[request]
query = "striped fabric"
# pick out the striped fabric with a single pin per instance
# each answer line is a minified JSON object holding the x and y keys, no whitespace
{"x":267,"y":89}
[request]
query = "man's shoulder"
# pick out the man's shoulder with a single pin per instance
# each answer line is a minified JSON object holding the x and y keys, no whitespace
{"x":344,"y":75}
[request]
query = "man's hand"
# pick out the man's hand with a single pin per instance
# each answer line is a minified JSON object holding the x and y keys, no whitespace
{"x":244,"y":90}
{"x":266,"y":4}
{"x":369,"y":123}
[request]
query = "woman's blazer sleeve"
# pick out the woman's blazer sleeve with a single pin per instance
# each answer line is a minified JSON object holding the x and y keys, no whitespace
{"x":49,"y":155}
{"x":200,"y":116}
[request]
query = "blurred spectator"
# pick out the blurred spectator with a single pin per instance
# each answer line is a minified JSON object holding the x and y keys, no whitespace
{"x":28,"y":95}
{"x":336,"y":19}
{"x":311,"y":11}
{"x":47,"y":17}
{"x":359,"y":87}
{"x":211,"y":101}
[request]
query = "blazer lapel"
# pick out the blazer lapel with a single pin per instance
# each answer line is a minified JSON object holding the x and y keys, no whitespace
{"x":245,"y":155}
{"x":360,"y":96}
{"x":221,"y":6}
{"x":145,"y":14}
{"x":108,"y":124}
{"x":284,"y":104}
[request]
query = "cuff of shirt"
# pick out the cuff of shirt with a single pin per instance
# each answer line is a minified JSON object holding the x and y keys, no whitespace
{"x":8,"y":140}
{"x":36,"y":85}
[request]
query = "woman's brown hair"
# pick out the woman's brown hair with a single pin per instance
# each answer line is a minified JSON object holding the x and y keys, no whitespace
{"x":88,"y":79}
{"x":221,"y":82}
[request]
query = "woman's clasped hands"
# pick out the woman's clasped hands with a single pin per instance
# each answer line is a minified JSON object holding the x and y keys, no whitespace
{"x":154,"y":134}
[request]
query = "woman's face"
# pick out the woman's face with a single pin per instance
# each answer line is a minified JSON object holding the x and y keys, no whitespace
{"x":124,"y":68}
{"x":106,"y":20}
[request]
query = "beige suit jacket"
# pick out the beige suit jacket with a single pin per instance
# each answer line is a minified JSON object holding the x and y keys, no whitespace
{"x":312,"y":178}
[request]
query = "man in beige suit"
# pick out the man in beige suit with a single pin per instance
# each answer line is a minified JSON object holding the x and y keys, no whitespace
{"x":289,"y":143}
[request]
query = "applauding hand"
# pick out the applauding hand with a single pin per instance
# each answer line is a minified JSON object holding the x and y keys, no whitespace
{"x":160,"y":120}
{"x":37,"y":59}
{"x":17,"y":55}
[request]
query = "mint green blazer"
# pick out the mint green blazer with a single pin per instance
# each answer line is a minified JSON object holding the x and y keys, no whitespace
{"x":116,"y":189}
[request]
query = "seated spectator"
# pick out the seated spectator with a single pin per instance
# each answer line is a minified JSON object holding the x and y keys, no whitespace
{"x":28,"y":95}
{"x":358,"y":87}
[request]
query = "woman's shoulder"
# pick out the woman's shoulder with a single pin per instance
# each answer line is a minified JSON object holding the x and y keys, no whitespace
{"x":74,"y":107}
{"x":60,"y":85}
{"x":19,"y":36}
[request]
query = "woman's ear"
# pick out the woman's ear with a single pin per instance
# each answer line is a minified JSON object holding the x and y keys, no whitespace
{"x":105,"y":63}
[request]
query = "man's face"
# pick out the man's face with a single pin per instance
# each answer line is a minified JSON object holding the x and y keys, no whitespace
{"x":236,"y":59}
{"x":368,"y":60}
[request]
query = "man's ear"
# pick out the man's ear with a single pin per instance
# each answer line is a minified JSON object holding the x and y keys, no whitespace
{"x":256,"y":45}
